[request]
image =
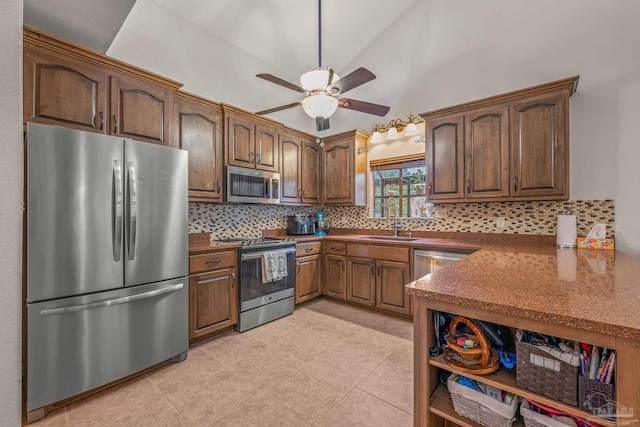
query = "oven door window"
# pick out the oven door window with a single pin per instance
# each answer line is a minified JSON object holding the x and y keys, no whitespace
{"x":251,"y":286}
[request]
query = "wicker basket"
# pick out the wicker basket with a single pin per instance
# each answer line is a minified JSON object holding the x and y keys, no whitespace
{"x":561,"y":385}
{"x":593,"y":394}
{"x":534,"y":419}
{"x":481,"y":408}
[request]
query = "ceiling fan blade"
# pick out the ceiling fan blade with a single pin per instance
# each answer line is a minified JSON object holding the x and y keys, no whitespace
{"x":322,"y":124}
{"x":364,"y":107}
{"x":354,"y":79}
{"x":280,"y":108}
{"x":330,"y":77}
{"x":277,"y":80}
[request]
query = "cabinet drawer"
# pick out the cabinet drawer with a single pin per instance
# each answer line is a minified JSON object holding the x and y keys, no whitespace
{"x":212,"y":261}
{"x":303,"y":249}
{"x":335,"y":248}
{"x":390,"y":253}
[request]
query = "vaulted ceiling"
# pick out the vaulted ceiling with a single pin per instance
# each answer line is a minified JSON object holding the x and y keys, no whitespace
{"x":426,"y":53}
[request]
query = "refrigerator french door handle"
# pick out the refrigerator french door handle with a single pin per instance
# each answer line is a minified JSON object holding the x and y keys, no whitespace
{"x":117,"y":210}
{"x":114,"y":301}
{"x":133,"y":210}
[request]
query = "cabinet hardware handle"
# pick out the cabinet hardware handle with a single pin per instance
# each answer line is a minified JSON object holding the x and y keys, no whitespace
{"x":297,"y":268}
{"x":308,"y":249}
{"x":218,"y":186}
{"x":258,"y":158}
{"x":115,"y":124}
{"x":101,"y":120}
{"x":252,"y":157}
{"x":215,"y":261}
{"x":378,"y":271}
{"x":299,"y":194}
{"x":304,"y":193}
{"x":233,"y":280}
{"x":515,"y":183}
{"x":333,"y":248}
{"x":342,"y":263}
{"x":430,"y":188}
{"x":468,"y":186}
{"x":371,"y":269}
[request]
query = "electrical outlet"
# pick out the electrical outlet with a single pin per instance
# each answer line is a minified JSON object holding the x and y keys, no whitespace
{"x":500,"y":222}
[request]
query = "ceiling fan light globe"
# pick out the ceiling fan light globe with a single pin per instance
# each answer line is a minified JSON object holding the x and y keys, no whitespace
{"x":411,"y":130}
{"x":376,"y":137}
{"x":317,"y":79}
{"x":320,"y":105}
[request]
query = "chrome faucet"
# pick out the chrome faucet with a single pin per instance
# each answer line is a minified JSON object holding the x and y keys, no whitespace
{"x":397,"y":224}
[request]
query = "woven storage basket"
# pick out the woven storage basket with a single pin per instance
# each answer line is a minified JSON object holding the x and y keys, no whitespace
{"x":481,"y":408}
{"x":561,"y":385}
{"x":595,"y":393}
{"x":533,"y":419}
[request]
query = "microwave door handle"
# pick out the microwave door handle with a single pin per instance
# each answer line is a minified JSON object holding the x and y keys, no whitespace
{"x":267,"y":188}
{"x":116,"y":227}
{"x":133,"y":210}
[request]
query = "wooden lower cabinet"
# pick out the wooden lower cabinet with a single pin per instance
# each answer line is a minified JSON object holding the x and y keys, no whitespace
{"x":361,"y":283}
{"x":213,"y":294}
{"x":391,"y":277}
{"x":307,"y":277}
{"x":335,"y":278}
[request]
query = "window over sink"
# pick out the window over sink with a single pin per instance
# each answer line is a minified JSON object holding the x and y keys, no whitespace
{"x":403,"y":179}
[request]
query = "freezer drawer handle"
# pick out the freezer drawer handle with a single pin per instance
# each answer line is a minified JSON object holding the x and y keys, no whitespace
{"x":133,"y":210}
{"x":117,"y":210}
{"x":115,"y":301}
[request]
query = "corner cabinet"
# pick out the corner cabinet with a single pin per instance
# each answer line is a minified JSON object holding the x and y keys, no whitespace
{"x":71,"y":86}
{"x":198,"y":130}
{"x":509,"y":147}
{"x":213,"y":294}
{"x":299,"y":169}
{"x":250,"y":141}
{"x":344,"y":169}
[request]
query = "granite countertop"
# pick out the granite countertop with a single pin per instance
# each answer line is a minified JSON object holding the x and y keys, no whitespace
{"x":594,"y":290}
{"x":201,"y":243}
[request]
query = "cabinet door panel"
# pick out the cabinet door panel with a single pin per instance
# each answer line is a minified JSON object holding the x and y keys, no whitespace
{"x":335,"y":276}
{"x":486,"y":150}
{"x":197,"y":130}
{"x":445,"y":146}
{"x":213,"y":302}
{"x":361,"y":285}
{"x":310,"y":172}
{"x":338,"y":172}
{"x":307,"y":277}
{"x":290,"y":152}
{"x":139,"y":110}
{"x":64,"y":91}
{"x":390,"y":280}
{"x":240,"y":142}
{"x":266,"y":149}
{"x":538,"y":144}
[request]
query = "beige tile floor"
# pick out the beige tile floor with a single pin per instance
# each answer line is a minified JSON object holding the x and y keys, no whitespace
{"x":327,"y":364}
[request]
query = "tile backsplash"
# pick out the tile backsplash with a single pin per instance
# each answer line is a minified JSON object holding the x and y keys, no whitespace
{"x":227,"y":220}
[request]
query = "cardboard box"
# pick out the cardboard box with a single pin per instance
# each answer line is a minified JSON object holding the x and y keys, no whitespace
{"x":607,"y":243}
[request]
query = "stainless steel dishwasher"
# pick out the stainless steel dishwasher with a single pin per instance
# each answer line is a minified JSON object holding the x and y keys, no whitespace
{"x":426,"y":262}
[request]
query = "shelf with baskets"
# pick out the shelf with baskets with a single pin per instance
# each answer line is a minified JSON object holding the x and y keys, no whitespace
{"x":429,"y":409}
{"x":505,"y":380}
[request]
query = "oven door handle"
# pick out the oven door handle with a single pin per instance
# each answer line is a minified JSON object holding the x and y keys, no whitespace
{"x":256,"y":255}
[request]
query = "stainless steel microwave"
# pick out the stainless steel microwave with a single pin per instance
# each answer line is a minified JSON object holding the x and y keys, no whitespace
{"x":252,"y":186}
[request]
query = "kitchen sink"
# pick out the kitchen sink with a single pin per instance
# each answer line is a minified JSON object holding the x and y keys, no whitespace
{"x":394,"y":238}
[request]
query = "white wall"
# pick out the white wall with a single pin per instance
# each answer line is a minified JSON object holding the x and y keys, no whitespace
{"x":11,"y":176}
{"x":454,"y":51}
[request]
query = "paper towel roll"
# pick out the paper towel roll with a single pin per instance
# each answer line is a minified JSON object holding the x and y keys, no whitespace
{"x":566,"y":237}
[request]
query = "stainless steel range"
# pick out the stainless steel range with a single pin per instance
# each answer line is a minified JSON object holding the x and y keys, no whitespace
{"x":262,"y":302}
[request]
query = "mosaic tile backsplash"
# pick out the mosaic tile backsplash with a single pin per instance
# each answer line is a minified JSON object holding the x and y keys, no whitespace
{"x":226,"y":221}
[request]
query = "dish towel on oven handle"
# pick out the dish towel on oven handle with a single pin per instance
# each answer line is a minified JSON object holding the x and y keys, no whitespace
{"x":274,"y":266}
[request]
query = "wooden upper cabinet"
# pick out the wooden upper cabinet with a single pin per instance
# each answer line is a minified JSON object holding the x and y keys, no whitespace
{"x":344,"y":169}
{"x":266,"y":148}
{"x":240,"y":142}
{"x":486,"y":152}
{"x":539,"y":146}
{"x":61,"y":90}
{"x":445,"y":158}
{"x":197,"y":128}
{"x":139,"y":110}
{"x":290,"y":152}
{"x":310,"y":172}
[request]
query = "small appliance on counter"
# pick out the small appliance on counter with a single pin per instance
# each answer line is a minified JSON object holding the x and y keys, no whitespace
{"x":321,"y":227}
{"x":300,"y":224}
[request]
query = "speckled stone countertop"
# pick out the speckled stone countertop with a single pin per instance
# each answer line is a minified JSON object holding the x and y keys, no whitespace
{"x":593,"y":290}
{"x":201,"y":243}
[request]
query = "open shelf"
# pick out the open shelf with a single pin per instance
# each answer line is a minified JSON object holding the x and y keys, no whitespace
{"x":506,"y":380}
{"x":442,"y":405}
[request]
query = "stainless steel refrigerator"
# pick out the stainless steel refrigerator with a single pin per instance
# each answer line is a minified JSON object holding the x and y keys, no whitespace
{"x":107,"y":260}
